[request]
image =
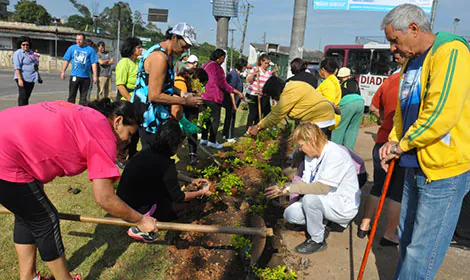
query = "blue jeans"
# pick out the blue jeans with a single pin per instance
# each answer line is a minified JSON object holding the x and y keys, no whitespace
{"x":429,"y":214}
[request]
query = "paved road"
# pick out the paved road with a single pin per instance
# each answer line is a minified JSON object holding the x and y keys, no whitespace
{"x":53,"y":88}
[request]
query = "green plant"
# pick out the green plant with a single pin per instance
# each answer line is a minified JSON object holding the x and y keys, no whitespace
{"x":210,"y":171}
{"x":268,"y":134}
{"x":228,"y":182}
{"x":270,"y":151}
{"x":258,"y":205}
{"x":197,"y":86}
{"x":272,"y":174}
{"x":241,"y":243}
{"x":235,"y":162}
{"x":277,"y":273}
{"x":204,"y":117}
{"x":257,"y":210}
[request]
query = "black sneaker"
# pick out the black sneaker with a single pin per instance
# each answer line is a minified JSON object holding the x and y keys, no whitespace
{"x":327,"y":232}
{"x":455,"y":244}
{"x":147,"y":237}
{"x":309,"y":247}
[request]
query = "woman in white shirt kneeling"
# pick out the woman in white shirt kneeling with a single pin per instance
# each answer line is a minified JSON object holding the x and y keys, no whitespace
{"x":329,"y":187}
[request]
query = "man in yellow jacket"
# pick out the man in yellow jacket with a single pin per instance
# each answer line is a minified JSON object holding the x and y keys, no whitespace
{"x":431,"y":136}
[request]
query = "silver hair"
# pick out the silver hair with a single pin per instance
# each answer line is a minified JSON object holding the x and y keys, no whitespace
{"x":402,"y":15}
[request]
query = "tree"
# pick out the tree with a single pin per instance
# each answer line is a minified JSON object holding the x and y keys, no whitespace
{"x":84,"y":21}
{"x":79,"y":22}
{"x":31,"y":12}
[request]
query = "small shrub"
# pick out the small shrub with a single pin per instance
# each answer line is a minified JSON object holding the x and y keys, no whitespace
{"x":272,"y":149}
{"x":210,"y":171}
{"x":228,"y":182}
{"x":204,"y":117}
{"x":272,"y":174}
{"x":277,"y":273}
{"x":241,"y":243}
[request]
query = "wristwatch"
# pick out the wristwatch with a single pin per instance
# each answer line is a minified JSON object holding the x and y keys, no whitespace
{"x":394,"y":150}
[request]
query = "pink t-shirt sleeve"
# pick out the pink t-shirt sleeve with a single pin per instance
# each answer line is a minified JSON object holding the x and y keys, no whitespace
{"x":101,"y":159}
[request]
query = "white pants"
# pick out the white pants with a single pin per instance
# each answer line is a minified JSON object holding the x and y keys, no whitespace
{"x":311,"y":211}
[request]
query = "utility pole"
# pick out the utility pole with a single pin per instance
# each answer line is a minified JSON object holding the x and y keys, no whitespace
{"x":298,"y":29}
{"x":242,"y":45}
{"x":231,"y":49}
{"x":118,"y":32}
{"x":456,"y":22}
{"x":56,"y":21}
{"x":433,"y":13}
{"x":222,"y":36}
{"x":264,"y":39}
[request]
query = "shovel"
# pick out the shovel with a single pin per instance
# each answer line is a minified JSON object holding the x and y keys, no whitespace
{"x":259,"y":232}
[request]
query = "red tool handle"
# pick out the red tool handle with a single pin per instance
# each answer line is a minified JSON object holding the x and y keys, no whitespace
{"x":376,"y":219}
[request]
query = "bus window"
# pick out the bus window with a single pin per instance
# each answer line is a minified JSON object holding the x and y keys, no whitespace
{"x":359,"y":61}
{"x":383,"y":63}
{"x":337,"y":54}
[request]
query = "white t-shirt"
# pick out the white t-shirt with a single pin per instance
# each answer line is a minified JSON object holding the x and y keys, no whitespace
{"x":336,"y":169}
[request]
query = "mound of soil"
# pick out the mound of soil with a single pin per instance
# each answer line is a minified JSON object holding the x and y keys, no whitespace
{"x":210,"y":256}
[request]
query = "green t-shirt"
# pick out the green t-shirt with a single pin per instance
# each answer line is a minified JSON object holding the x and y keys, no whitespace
{"x":126,"y":72}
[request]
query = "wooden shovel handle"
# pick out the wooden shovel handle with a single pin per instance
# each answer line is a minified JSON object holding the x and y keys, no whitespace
{"x":261,"y":231}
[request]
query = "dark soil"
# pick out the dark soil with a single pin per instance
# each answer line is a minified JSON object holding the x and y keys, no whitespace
{"x":210,"y":256}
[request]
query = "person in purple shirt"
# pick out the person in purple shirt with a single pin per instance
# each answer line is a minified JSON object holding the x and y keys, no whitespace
{"x":26,"y":65}
{"x":214,"y":97}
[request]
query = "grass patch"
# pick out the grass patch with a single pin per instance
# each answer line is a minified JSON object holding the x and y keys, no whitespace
{"x":94,"y":251}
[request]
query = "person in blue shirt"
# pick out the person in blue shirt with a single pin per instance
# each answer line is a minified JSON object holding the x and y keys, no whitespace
{"x":83,"y":58}
{"x":26,"y":65}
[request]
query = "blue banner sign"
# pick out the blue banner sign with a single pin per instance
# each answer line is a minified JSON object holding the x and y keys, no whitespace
{"x":369,"y":5}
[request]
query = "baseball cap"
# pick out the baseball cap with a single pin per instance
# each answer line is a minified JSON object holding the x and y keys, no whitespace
{"x":192,"y":58}
{"x":187,"y":32}
{"x":344,"y":72}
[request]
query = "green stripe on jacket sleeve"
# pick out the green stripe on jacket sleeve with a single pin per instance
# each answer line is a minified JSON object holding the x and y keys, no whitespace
{"x":442,"y":99}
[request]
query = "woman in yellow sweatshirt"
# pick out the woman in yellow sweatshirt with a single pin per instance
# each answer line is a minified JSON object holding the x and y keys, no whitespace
{"x":330,"y":87}
{"x":298,"y":100}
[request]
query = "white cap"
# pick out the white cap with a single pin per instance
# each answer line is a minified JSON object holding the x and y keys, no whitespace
{"x":192,"y":58}
{"x":187,"y":32}
{"x":344,"y":72}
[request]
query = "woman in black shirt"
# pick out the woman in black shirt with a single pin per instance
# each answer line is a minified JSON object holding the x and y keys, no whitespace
{"x":149,"y":183}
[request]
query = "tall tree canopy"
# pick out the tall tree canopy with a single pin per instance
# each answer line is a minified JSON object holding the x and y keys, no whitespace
{"x":31,"y":12}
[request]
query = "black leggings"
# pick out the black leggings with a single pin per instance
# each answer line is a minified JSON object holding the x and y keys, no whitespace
{"x":212,"y":125}
{"x":82,"y":84}
{"x":36,"y":218}
{"x":24,"y":92}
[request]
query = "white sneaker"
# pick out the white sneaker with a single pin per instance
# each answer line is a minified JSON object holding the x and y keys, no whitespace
{"x":203,"y":142}
{"x":231,"y":140}
{"x":215,"y":145}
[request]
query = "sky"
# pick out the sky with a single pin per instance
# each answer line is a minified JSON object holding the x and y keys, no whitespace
{"x":274,"y":17}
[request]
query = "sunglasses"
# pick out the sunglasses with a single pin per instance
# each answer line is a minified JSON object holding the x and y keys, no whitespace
{"x":186,"y":46}
{"x":24,"y":45}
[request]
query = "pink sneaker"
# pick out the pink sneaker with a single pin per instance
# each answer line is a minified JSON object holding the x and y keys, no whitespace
{"x":147,"y":237}
{"x":77,"y":277}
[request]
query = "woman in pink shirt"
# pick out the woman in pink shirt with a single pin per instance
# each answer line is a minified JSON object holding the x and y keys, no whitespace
{"x":42,"y":141}
{"x":214,"y":97}
{"x":257,"y":78}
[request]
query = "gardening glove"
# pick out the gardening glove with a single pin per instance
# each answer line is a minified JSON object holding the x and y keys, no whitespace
{"x":188,"y":127}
